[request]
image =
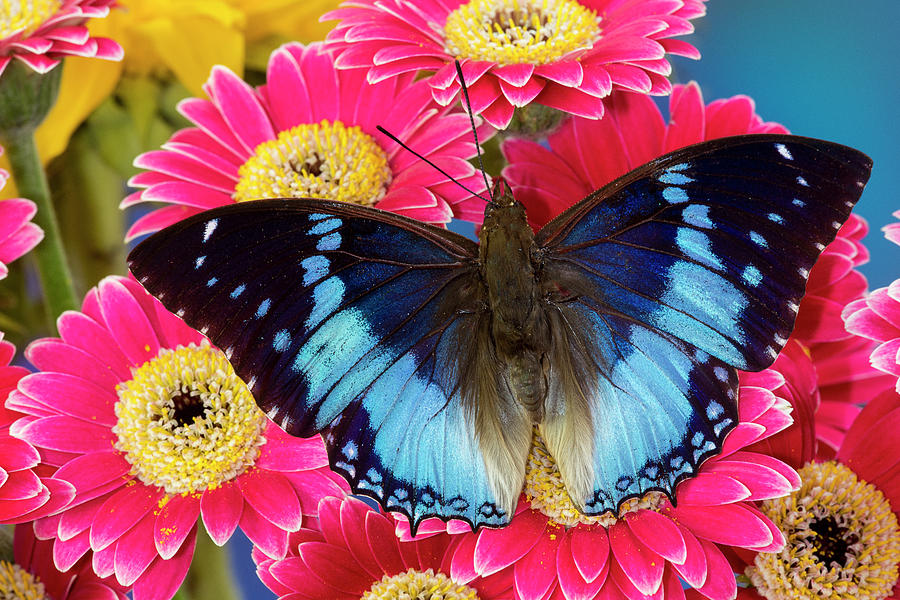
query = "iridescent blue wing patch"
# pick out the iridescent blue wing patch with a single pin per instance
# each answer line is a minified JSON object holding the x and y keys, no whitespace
{"x":344,"y":321}
{"x":684,"y":270}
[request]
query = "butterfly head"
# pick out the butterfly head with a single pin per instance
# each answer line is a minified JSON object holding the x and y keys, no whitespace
{"x":501,"y":195}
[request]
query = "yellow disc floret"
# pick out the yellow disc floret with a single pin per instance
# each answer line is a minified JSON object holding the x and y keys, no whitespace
{"x":520,"y":31}
{"x":324,"y":160}
{"x":417,"y":585}
{"x":842,"y":537}
{"x":546,"y":491}
{"x":18,"y":584}
{"x":24,"y":15}
{"x":186,"y":422}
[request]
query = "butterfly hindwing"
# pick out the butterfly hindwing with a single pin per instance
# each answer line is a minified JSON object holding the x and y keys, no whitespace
{"x":343,"y":321}
{"x":677,"y":274}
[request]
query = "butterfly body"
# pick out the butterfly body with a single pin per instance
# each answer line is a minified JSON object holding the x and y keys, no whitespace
{"x":426,"y":360}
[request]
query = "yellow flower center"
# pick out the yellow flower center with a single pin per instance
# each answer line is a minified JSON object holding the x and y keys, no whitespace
{"x":520,"y":31}
{"x":416,"y":585}
{"x":186,"y":422}
{"x":545,"y":490}
{"x":324,"y":160}
{"x":18,"y":584}
{"x":842,"y":540}
{"x":24,"y":16}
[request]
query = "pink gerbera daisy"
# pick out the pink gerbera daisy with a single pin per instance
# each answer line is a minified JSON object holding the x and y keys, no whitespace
{"x":651,"y":545}
{"x":842,"y":524}
{"x":354,"y":555}
{"x":565,"y":54}
{"x":311,"y":132}
{"x":154,"y":430}
{"x":584,"y":155}
{"x":26,"y":491}
{"x":34,"y":576}
{"x":41,"y":32}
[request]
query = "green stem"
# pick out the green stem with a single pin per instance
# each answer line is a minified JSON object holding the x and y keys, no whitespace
{"x":210,"y":577}
{"x":56,"y":280}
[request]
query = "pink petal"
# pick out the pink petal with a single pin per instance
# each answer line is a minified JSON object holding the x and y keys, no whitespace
{"x":286,"y":453}
{"x":336,"y":566}
{"x":873,"y":455}
{"x":221,"y":510}
{"x":14,"y":213}
{"x":707,"y":489}
{"x":121,"y":512}
{"x":330,"y":520}
{"x":91,"y":471}
{"x":68,"y":552}
{"x":523,"y":95}
{"x":693,"y":570}
{"x":730,"y":524}
{"x":573,"y":101}
{"x":590,"y":549}
{"x":383,"y":544}
{"x":135,"y":551}
{"x":462,"y":565}
{"x":762,"y":482}
{"x":164,"y":577}
{"x":17,"y":454}
{"x":353,"y":525}
{"x":289,"y":101}
{"x":127,"y":322}
{"x":535,"y":573}
{"x":174,"y":523}
{"x":658,"y":533}
{"x":720,"y":581}
{"x":186,"y":169}
{"x":84,"y":332}
{"x":687,"y":124}
{"x":271,"y":495}
{"x":159,"y":219}
{"x":49,"y":354}
{"x":207,"y":117}
{"x":187,"y":194}
{"x":263,"y":533}
{"x":642,"y":566}
{"x":239,"y":107}
{"x":516,"y":75}
{"x":66,"y":434}
{"x":499,"y":113}
{"x":498,"y":548}
{"x":566,"y":73}
{"x":73,"y":396}
{"x":571,"y":582}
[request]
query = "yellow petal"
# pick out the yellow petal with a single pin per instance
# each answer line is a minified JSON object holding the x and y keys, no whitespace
{"x":191,"y":46}
{"x":286,"y":18}
{"x":85,"y":83}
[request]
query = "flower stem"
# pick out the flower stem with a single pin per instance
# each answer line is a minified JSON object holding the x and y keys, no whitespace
{"x":210,"y":576}
{"x":31,"y":181}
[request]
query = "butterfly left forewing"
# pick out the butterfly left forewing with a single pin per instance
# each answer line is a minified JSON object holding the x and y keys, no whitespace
{"x":345,"y":321}
{"x":682,"y":271}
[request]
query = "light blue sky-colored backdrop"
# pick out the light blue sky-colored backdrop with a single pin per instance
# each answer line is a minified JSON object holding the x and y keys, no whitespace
{"x":823,"y":68}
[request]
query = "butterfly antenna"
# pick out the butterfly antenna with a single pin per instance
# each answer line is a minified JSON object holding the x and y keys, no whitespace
{"x":465,"y":90}
{"x":440,"y":170}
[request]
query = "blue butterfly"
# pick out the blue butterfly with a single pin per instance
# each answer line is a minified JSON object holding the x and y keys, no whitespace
{"x":426,"y":360}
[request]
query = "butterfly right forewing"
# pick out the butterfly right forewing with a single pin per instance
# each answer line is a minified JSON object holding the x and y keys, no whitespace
{"x":676,"y":275}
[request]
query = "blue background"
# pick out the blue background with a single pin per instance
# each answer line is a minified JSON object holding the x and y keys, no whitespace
{"x":822,"y":68}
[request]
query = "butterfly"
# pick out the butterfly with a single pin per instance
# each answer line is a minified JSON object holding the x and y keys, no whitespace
{"x":425,"y":360}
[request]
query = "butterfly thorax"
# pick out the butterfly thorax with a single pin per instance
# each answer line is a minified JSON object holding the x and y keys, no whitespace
{"x":518,"y":324}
